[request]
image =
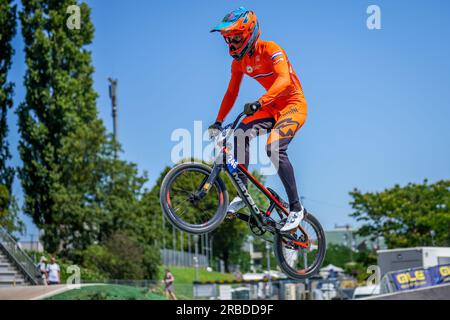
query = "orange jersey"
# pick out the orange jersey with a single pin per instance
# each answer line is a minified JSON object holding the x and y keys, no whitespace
{"x":270,"y":66}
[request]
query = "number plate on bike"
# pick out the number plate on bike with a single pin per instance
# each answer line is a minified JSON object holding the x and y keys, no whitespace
{"x":231,"y":164}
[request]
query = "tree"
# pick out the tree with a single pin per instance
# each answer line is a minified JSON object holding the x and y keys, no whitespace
{"x":414,"y":215}
{"x":119,"y":257}
{"x":337,"y":255}
{"x":8,"y":207}
{"x":59,"y":105}
{"x":8,"y":27}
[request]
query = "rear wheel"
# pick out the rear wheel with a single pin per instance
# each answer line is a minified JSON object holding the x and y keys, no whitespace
{"x":299,"y":259}
{"x":182,"y":206}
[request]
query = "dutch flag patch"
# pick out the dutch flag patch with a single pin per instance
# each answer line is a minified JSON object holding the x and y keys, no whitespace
{"x":277,"y":54}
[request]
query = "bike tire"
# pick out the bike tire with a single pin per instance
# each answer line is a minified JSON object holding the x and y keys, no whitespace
{"x":222,"y":200}
{"x":284,"y":265}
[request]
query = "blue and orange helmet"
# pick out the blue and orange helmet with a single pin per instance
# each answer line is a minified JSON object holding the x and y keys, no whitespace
{"x":239,"y":22}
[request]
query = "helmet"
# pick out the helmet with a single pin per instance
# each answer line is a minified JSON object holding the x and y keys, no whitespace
{"x":240,"y":22}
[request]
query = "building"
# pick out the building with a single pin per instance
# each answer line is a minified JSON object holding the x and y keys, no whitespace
{"x":346,"y":236}
{"x":407,"y":258}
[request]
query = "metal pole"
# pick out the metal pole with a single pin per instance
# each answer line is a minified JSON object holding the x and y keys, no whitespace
{"x":252,"y":267}
{"x":207,"y":249}
{"x":268,"y":270}
{"x":189,"y":249}
{"x":203,"y":246}
{"x":211,"y":251}
{"x":174,"y":245}
{"x":164,"y":239}
{"x":113,"y":96}
{"x":196,"y":257}
{"x":182,"y":247}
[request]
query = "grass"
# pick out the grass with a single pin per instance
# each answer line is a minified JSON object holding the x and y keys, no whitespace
{"x":183,"y":287}
{"x":187,"y":275}
{"x":108,"y":292}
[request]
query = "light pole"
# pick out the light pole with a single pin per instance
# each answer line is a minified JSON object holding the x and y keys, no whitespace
{"x":113,"y":96}
{"x":432,"y":233}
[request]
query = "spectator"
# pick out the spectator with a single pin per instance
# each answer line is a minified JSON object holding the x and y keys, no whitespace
{"x":53,"y":272}
{"x":238,"y":275}
{"x":42,"y":265}
{"x":168,"y":282}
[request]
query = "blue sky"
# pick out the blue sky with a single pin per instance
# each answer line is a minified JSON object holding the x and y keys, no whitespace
{"x":379,"y":100}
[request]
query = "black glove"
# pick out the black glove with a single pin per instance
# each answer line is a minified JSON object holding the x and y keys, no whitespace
{"x":251,"y":107}
{"x":214,"y":129}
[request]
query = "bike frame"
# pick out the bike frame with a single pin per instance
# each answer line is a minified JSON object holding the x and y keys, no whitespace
{"x":231,"y":166}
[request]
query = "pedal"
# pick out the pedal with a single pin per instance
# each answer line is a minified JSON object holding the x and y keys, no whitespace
{"x":231,"y":216}
{"x":280,"y":224}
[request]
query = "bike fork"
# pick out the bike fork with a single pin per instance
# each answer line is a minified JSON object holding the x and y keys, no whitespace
{"x":210,"y":181}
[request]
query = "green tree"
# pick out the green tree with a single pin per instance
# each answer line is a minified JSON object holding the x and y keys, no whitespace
{"x":8,"y":206}
{"x":76,"y":191}
{"x":59,"y":105}
{"x":337,"y":255}
{"x":119,"y":257}
{"x":8,"y":27}
{"x":413,"y":215}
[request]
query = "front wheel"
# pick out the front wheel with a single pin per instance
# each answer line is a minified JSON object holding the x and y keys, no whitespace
{"x":297,"y":261}
{"x":181,"y":205}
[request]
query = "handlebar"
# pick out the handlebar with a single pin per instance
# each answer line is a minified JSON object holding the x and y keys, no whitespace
{"x":230,"y":127}
{"x":235,"y":123}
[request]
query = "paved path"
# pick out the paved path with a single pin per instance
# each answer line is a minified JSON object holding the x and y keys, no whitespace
{"x":34,"y":292}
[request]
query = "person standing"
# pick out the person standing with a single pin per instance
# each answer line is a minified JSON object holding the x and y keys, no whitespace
{"x":54,"y":274}
{"x":42,"y":265}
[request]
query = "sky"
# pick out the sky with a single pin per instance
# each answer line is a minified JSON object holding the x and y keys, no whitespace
{"x":378,"y":100}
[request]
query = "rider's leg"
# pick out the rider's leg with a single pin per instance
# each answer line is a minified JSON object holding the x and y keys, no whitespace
{"x":289,"y":121}
{"x":279,"y":157}
{"x":251,"y":126}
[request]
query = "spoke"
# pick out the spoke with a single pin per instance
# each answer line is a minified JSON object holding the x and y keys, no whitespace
{"x":180,"y":203}
{"x":182,"y":213}
{"x":180,"y":189}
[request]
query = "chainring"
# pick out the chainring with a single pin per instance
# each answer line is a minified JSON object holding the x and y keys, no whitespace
{"x":254,"y":228}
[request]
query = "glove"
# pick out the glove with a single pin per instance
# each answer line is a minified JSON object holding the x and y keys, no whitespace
{"x":251,"y":107}
{"x":215,"y":129}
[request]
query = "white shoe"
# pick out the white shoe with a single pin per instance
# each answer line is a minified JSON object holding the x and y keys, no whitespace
{"x":293,"y":220}
{"x":235,"y":205}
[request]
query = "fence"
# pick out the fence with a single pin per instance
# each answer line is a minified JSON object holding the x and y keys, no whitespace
{"x":182,"y":259}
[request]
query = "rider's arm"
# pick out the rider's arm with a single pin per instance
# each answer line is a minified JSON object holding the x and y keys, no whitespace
{"x":280,"y":70}
{"x":232,"y":92}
